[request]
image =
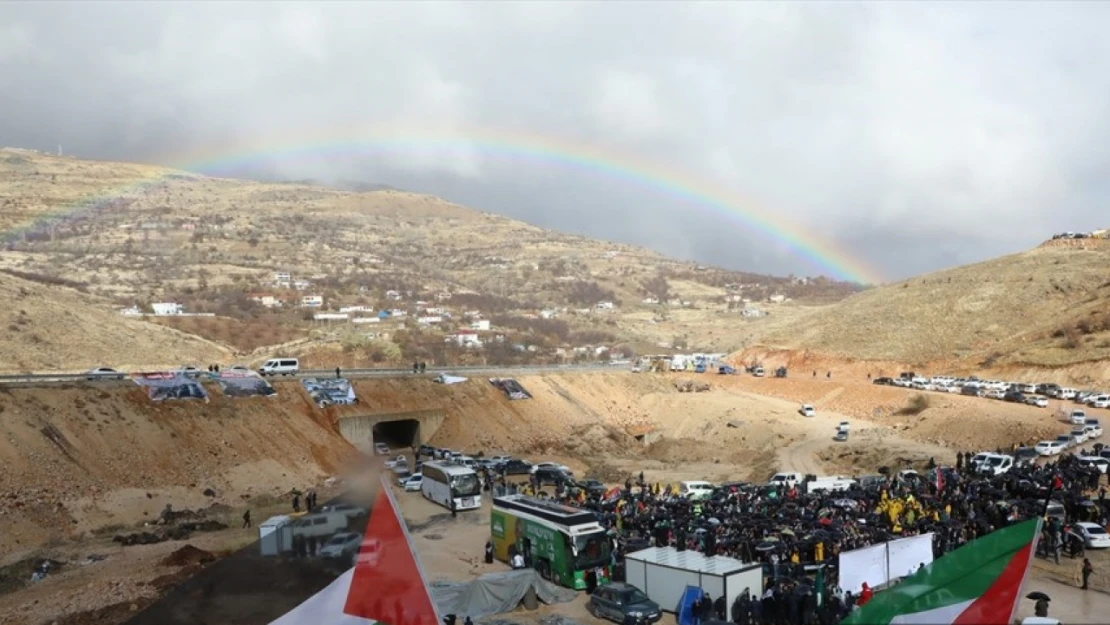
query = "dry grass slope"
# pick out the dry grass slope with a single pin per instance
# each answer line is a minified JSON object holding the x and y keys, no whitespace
{"x":1045,"y":307}
{"x":51,"y":328}
{"x":143,"y":234}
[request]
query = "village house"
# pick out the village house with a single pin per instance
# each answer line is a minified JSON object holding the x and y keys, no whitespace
{"x":752,"y":312}
{"x":267,"y":301}
{"x":312,"y":301}
{"x":331,"y":316}
{"x":132,"y":311}
{"x":167,"y":309}
{"x":366,"y":319}
{"x":650,"y":300}
{"x":465,"y":338}
{"x":351,"y":309}
{"x":282,"y":276}
{"x":428,"y":320}
{"x":480,"y":325}
{"x":301,"y":285}
{"x":472,"y":314}
{"x":777,"y":298}
{"x":398,"y":312}
{"x":443,"y":296}
{"x":548,"y":313}
{"x":434,"y":310}
{"x":393,"y":296}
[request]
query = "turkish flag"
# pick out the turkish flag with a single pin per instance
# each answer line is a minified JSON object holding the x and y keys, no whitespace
{"x":386,"y":584}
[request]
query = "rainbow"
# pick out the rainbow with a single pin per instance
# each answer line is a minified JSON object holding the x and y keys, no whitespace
{"x":634,"y":172}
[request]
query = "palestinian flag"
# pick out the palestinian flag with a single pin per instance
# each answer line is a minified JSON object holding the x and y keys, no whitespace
{"x":386,"y":585}
{"x":977,"y":584}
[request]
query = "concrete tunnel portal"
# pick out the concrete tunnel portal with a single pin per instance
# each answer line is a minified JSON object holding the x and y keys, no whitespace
{"x":399,"y":430}
{"x":400,"y":434}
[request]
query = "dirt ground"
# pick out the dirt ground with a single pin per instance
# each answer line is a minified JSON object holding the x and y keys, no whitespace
{"x":742,"y":428}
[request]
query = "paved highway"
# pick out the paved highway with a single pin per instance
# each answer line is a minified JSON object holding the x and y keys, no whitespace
{"x":50,"y":379}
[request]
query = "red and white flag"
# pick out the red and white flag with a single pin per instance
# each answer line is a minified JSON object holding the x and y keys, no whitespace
{"x":386,"y":584}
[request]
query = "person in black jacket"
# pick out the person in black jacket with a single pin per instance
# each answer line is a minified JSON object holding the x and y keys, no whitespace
{"x":720,"y":606}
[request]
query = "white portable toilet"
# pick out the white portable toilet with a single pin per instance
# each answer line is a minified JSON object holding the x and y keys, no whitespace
{"x":275,"y":536}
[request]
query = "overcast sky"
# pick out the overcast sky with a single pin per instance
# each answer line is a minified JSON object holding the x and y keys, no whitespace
{"x":916,"y":136}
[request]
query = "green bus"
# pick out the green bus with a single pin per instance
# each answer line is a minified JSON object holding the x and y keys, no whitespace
{"x":563,"y":543}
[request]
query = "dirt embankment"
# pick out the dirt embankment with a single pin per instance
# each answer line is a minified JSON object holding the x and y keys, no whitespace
{"x":805,"y":362}
{"x":77,"y":458}
{"x":955,"y":421}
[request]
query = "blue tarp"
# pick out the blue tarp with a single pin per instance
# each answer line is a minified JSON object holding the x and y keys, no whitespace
{"x":684,"y":611}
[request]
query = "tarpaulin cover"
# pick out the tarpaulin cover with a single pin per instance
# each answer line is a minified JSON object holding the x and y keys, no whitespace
{"x":244,"y":384}
{"x":511,"y":388}
{"x":328,"y":391}
{"x":495,"y":593}
{"x":170,"y":385}
{"x":684,"y":611}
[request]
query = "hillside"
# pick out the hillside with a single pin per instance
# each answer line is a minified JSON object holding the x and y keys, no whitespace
{"x":251,"y":251}
{"x":46,"y":327}
{"x":1045,"y":308}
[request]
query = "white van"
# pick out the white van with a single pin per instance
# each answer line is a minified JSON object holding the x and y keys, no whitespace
{"x":280,"y":366}
{"x":1078,"y":417}
{"x":320,"y":524}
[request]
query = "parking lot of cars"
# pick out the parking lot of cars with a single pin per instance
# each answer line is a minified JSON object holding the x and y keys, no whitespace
{"x":1017,"y":392}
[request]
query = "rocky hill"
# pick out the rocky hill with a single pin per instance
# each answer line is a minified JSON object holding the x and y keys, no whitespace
{"x":250,"y":251}
{"x":1046,"y":308}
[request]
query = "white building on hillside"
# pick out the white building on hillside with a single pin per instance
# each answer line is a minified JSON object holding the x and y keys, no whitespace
{"x":480,"y":324}
{"x":312,"y":301}
{"x":167,"y":309}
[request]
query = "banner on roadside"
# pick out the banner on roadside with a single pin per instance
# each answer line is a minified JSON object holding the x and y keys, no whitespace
{"x":244,"y":384}
{"x":330,"y":391}
{"x":164,"y":385}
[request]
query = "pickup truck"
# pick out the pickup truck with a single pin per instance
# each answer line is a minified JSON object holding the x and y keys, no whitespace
{"x":395,"y":462}
{"x":789,"y":479}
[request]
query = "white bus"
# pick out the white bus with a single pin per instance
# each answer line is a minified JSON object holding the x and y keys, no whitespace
{"x":444,"y":481}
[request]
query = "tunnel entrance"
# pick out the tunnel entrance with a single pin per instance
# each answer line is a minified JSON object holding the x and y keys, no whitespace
{"x":400,"y":434}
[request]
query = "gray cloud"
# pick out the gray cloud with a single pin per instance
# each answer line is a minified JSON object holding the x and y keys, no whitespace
{"x":917,"y":135}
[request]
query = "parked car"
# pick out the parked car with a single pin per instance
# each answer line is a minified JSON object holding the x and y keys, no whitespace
{"x":550,"y":475}
{"x":1024,"y":456}
{"x":413,"y":482}
{"x":516,"y":466}
{"x":1098,"y":462}
{"x":239,"y":368}
{"x":593,"y":488}
{"x":104,"y":373}
{"x":399,"y":460}
{"x":1066,"y":441}
{"x":342,"y":545}
{"x":1033,"y":400}
{"x":1078,"y":417}
{"x":352,"y":511}
{"x":1049,"y":448}
{"x":622,"y":603}
{"x":552,"y":465}
{"x":188,"y":371}
{"x":1094,"y":535}
{"x":807,"y":411}
{"x":1079,"y":436}
{"x":1094,"y":426}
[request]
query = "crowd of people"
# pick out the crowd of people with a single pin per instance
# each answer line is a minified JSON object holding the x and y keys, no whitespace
{"x":798,"y":536}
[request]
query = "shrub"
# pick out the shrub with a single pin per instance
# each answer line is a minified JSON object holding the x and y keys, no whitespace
{"x":917,"y":405}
